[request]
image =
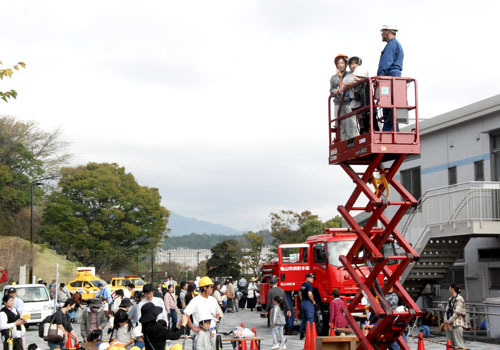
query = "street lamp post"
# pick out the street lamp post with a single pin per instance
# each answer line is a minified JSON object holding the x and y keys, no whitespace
{"x":31,"y":231}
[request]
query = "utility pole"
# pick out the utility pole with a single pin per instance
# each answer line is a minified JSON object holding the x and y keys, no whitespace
{"x":30,"y":279}
{"x":152,"y":264}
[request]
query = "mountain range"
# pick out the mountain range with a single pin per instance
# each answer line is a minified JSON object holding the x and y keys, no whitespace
{"x":180,"y":226}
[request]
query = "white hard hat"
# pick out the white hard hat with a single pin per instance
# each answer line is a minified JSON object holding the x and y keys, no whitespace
{"x":361,"y":72}
{"x":390,"y":27}
{"x":137,"y":331}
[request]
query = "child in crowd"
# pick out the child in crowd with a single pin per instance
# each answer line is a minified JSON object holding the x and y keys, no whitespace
{"x":122,"y":329}
{"x":278,"y":323}
{"x":203,"y":340}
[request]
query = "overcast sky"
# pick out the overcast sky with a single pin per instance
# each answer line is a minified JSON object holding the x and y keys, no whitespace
{"x":222,"y":105}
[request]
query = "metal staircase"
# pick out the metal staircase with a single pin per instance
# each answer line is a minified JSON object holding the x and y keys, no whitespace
{"x":442,"y":224}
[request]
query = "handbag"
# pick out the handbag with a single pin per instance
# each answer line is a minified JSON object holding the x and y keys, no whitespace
{"x":52,"y":333}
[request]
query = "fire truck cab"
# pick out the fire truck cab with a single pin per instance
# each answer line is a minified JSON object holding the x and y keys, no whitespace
{"x":320,"y":255}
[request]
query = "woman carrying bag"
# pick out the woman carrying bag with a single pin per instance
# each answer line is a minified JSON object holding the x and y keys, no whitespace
{"x":61,"y":319}
{"x":252,"y":294}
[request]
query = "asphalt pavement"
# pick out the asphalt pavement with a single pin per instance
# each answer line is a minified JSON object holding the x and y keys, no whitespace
{"x":253,"y":320}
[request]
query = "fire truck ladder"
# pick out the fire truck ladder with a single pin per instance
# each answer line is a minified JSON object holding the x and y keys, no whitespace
{"x":382,"y":153}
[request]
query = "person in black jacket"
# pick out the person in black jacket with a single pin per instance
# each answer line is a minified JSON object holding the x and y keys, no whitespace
{"x":155,"y":332}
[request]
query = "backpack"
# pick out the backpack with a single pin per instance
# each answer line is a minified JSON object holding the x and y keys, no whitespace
{"x":179,"y":304}
{"x":40,"y":325}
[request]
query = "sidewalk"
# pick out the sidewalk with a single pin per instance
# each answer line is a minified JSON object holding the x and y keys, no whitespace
{"x":253,"y":320}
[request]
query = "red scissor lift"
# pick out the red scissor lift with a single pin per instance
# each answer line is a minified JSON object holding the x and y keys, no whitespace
{"x":367,"y":152}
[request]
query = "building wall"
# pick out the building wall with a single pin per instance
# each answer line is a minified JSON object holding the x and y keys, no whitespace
{"x":187,"y":257}
{"x":459,"y":145}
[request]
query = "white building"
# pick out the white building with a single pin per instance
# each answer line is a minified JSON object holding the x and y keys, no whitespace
{"x":191,"y":258}
{"x":456,"y":227}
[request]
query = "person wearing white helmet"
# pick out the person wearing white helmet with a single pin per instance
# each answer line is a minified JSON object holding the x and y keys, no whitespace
{"x":391,"y":58}
{"x":202,"y":305}
{"x":390,"y":64}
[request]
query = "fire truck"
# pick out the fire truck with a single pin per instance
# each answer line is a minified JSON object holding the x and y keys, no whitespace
{"x":319,"y":254}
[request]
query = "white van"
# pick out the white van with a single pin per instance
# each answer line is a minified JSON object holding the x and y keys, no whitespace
{"x":37,"y":302}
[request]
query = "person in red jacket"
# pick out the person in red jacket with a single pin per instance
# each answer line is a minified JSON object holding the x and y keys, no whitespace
{"x":337,"y":318}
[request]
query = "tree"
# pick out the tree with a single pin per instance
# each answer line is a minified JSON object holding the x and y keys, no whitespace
{"x":7,"y":72}
{"x":253,"y":259}
{"x":28,"y":155}
{"x":225,"y":259}
{"x":101,"y":216}
{"x":290,"y":227}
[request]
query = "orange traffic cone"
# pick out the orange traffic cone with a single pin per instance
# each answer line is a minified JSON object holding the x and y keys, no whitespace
{"x":243,"y":344}
{"x":314,"y":335}
{"x":332,"y":331}
{"x":253,"y":343}
{"x":307,"y":339}
{"x":448,"y":345}
{"x":421,"y":345}
{"x":68,"y":344}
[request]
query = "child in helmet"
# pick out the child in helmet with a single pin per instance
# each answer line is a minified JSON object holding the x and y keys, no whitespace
{"x":203,"y":340}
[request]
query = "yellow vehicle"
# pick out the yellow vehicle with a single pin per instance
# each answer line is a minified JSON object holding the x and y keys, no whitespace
{"x":122,"y":282}
{"x":86,"y":281}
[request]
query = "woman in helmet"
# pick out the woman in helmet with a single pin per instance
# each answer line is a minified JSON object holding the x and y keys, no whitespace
{"x":348,"y":126}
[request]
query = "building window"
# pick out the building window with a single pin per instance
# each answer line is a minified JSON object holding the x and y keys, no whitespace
{"x":495,"y":156}
{"x":452,"y":175}
{"x":491,"y":254}
{"x":410,"y":178}
{"x":455,"y":275}
{"x":494,"y":273}
{"x":479,"y":170}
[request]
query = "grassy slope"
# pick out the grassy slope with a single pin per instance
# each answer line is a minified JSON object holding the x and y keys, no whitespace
{"x":15,"y":252}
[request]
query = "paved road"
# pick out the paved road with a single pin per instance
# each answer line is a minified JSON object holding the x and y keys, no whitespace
{"x":253,"y":320}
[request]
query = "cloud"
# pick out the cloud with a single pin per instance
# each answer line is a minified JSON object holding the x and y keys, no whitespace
{"x":223,"y":105}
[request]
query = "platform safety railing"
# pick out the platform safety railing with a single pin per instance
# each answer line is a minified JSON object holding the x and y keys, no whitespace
{"x":390,"y":93}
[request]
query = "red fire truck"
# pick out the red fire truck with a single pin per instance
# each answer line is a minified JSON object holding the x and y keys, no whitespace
{"x":320,"y":255}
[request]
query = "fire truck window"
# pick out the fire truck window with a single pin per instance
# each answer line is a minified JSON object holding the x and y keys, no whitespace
{"x":293,"y":255}
{"x":319,"y":254}
{"x":335,"y":249}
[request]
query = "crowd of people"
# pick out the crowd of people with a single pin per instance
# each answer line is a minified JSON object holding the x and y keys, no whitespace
{"x":150,"y":318}
{"x":146,"y":319}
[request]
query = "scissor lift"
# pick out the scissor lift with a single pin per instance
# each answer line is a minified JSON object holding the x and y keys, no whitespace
{"x":382,"y":153}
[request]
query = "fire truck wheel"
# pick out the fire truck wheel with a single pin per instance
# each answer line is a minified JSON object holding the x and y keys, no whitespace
{"x":321,"y":320}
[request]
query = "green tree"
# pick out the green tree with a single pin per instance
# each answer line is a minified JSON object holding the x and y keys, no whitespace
{"x":288,"y":226}
{"x":28,"y":155}
{"x":225,"y":260}
{"x":253,"y":257}
{"x":101,"y":216}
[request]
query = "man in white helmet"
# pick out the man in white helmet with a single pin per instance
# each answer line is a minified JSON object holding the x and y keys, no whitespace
{"x":391,"y":58}
{"x":390,"y":64}
{"x":202,"y":305}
